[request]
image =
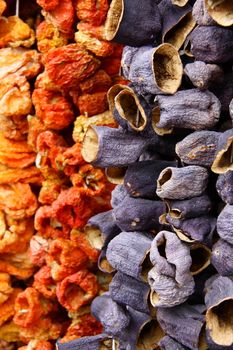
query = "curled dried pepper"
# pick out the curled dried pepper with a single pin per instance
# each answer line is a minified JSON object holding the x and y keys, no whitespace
{"x":48,"y":37}
{"x":8,"y":307}
{"x":48,"y":5}
{"x":61,"y":16}
{"x":88,"y":28}
{"x":83,"y":243}
{"x":45,"y":328}
{"x":77,"y":290}
{"x":91,"y":104}
{"x":53,"y":109}
{"x":38,"y":250}
{"x":65,"y":258}
{"x":44,"y":283}
{"x":98,"y":82}
{"x":70,"y":158}
{"x":14,"y":127}
{"x":14,"y":32}
{"x":69,"y":65}
{"x":92,"y":11}
{"x":35,"y":127}
{"x":5,"y":287}
{"x":101,"y":48}
{"x":46,"y":225}
{"x":52,"y":185}
{"x":18,"y":265}
{"x":10,"y":332}
{"x":28,"y":175}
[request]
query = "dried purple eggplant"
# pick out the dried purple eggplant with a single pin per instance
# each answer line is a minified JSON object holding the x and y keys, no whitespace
{"x":139,"y":214}
{"x":214,"y":346}
{"x":187,"y":109}
{"x":219,"y":302}
{"x":168,"y":343}
{"x":125,"y":23}
{"x":199,"y":229}
{"x":224,"y":91}
{"x":127,"y":290}
{"x":103,"y":264}
{"x":177,"y":22}
{"x":201,"y":15}
{"x":101,"y":228}
{"x":189,"y":208}
{"x":115,"y":175}
{"x":198,"y":148}
{"x":221,"y":11}
{"x":143,"y":332}
{"x":156,"y":69}
{"x":224,"y":186}
{"x":212,"y":44}
{"x":170,"y":279}
{"x":113,"y":317}
{"x":224,"y":154}
{"x":129,"y":110}
{"x":109,"y":147}
{"x":222,"y":253}
{"x":118,"y":195}
{"x":203,"y":75}
{"x":140,"y":178}
{"x":131,"y":259}
{"x":182,"y":183}
{"x":96,"y":342}
{"x":185,"y":324}
{"x":225,"y":224}
{"x":201,"y":256}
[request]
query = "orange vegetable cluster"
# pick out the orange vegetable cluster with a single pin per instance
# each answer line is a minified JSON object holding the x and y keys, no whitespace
{"x":48,"y":273}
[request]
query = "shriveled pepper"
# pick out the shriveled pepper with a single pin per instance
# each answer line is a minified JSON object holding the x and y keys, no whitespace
{"x":48,"y":37}
{"x":77,"y":290}
{"x":5,"y":287}
{"x":8,"y":307}
{"x":92,"y":11}
{"x":44,"y":283}
{"x":83,"y":243}
{"x":38,"y":250}
{"x":61,"y":16}
{"x":14,"y":32}
{"x":18,"y":265}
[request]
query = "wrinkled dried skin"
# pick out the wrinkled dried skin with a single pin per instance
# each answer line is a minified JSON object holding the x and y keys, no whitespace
{"x":45,"y":328}
{"x":85,"y":244}
{"x":15,"y":127}
{"x":221,"y":257}
{"x":44,"y":283}
{"x":8,"y":307}
{"x":35,"y":127}
{"x":92,"y":104}
{"x":29,"y":175}
{"x":62,"y":16}
{"x":223,"y":159}
{"x":38,"y":345}
{"x":14,"y":32}
{"x":182,"y":183}
{"x":221,"y":11}
{"x":98,"y":82}
{"x":5,"y":287}
{"x":94,"y":31}
{"x":82,"y":123}
{"x":38,"y":250}
{"x":224,"y":224}
{"x":11,"y":200}
{"x":19,"y":60}
{"x":168,"y":343}
{"x":201,"y":15}
{"x":48,"y":5}
{"x":15,"y":97}
{"x":93,"y":12}
{"x":77,"y":290}
{"x":18,"y":265}
{"x":54,"y":110}
{"x":77,"y":65}
{"x":10,"y":332}
{"x":100,"y":48}
{"x":52,"y":185}
{"x":224,"y":187}
{"x":49,"y":37}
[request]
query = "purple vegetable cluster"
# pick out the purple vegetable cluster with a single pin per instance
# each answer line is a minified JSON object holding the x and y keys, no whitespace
{"x":168,"y":241}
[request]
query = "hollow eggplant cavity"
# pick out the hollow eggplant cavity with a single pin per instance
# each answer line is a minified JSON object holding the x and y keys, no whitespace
{"x":175,"y":213}
{"x":116,"y":175}
{"x":167,"y":68}
{"x":74,"y":294}
{"x":94,"y":236}
{"x":161,"y":249}
{"x":106,"y":344}
{"x":224,"y":159}
{"x":180,"y":3}
{"x":200,"y":258}
{"x":177,"y":35}
{"x":221,"y":11}
{"x":202,"y":344}
{"x":130,"y":110}
{"x":155,"y":120}
{"x":154,"y":298}
{"x":114,"y":17}
{"x":90,"y":145}
{"x":146,"y":267}
{"x":220,"y":323}
{"x":149,"y":336}
{"x":166,"y":176}
{"x":104,"y":265}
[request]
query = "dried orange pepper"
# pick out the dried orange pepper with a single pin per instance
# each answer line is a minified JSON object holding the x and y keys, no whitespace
{"x":5,"y":287}
{"x":48,"y":37}
{"x":18,"y":265}
{"x":14,"y":32}
{"x":92,"y":11}
{"x":91,"y":104}
{"x":61,"y":16}
{"x":101,"y":48}
{"x":26,"y":175}
{"x":38,"y":250}
{"x":48,"y":5}
{"x":83,"y":243}
{"x":44,"y":283}
{"x":52,"y":185}
{"x":8,"y":307}
{"x":98,"y":82}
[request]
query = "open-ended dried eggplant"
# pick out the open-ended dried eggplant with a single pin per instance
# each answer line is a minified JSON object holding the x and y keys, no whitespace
{"x":224,"y":154}
{"x":170,"y":279}
{"x":212,"y":44}
{"x":203,"y":75}
{"x":168,"y":343}
{"x":103,"y":264}
{"x":201,"y":256}
{"x":201,"y":15}
{"x":115,"y":175}
{"x":221,"y":258}
{"x":185,"y":324}
{"x":224,"y":186}
{"x":139,"y":214}
{"x":219,"y":303}
{"x":155,"y":69}
{"x":118,"y":195}
{"x":182,"y":183}
{"x":129,"y":110}
{"x":107,"y":147}
{"x":198,"y":148}
{"x":125,"y":23}
{"x":113,"y":317}
{"x":177,"y":22}
{"x":127,"y":290}
{"x":225,"y":224}
{"x":187,"y":109}
{"x":132,"y":260}
{"x":140,"y":178}
{"x":221,"y":11}
{"x":189,"y":208}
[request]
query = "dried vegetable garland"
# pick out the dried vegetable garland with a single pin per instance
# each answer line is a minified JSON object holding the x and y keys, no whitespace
{"x":167,"y":240}
{"x":48,"y":265}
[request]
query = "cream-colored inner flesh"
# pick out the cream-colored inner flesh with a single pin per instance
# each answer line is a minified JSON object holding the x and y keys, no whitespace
{"x":90,"y":146}
{"x":146,"y":267}
{"x":155,"y":120}
{"x":150,"y":336}
{"x":180,"y":3}
{"x":200,"y":258}
{"x":221,"y":11}
{"x":219,"y":321}
{"x":94,"y":236}
{"x":224,"y":159}
{"x":114,"y":16}
{"x":165,"y":176}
